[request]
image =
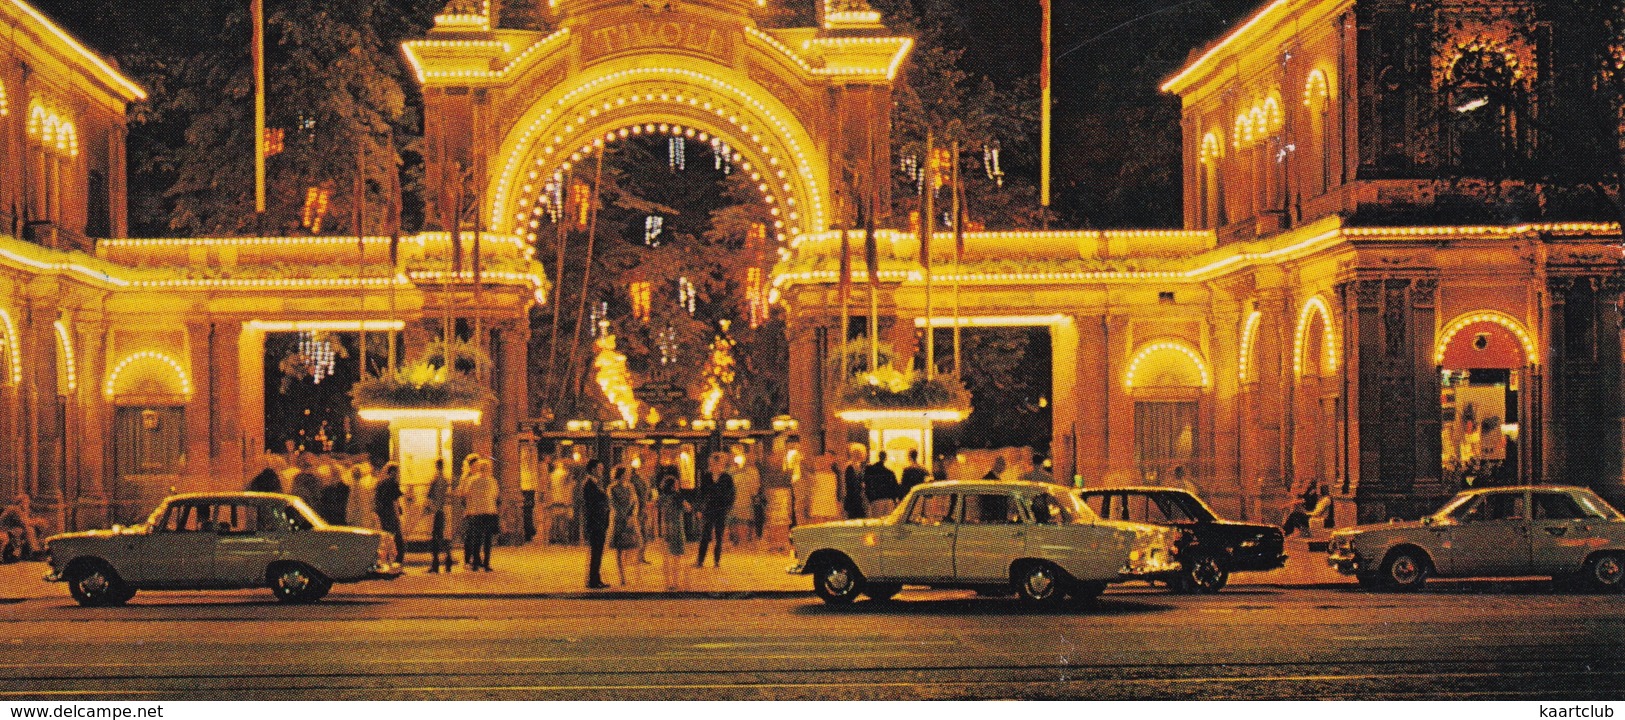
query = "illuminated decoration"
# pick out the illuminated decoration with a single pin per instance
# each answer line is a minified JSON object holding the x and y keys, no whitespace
{"x":324,"y":325}
{"x":942,"y":167}
{"x":416,"y":50}
{"x":1212,"y":148}
{"x":1258,"y":124}
{"x":652,"y":225}
{"x":274,"y":141}
{"x":315,"y":208}
{"x":318,"y":356}
{"x":609,"y":369}
{"x":755,"y":298}
{"x":5,"y":102}
{"x":996,"y":321}
{"x":465,"y":15}
{"x":1185,"y":360}
{"x":1177,"y":83}
{"x":581,"y":200}
{"x":168,"y":366}
{"x":1315,"y":306}
{"x":468,"y":415}
{"x":687,"y":295}
{"x":1316,"y":90}
{"x":857,"y":415}
{"x":641,"y":293}
{"x":1249,"y":335}
{"x":98,"y":67}
{"x":676,"y":153}
{"x":54,"y":131}
{"x":719,"y":374}
{"x":12,"y":349}
{"x":1506,"y":321}
{"x":666,"y":340}
{"x":66,"y":366}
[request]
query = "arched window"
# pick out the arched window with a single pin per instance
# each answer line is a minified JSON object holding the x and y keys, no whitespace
{"x":1210,"y":183}
{"x":1486,"y":107}
{"x":1272,"y":152}
{"x":1317,"y":105}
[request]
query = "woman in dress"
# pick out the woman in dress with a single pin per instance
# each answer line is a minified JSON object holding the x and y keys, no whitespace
{"x":669,"y":503}
{"x":623,"y":520}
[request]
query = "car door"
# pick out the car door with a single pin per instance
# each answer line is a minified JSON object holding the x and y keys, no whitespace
{"x":921,"y":546}
{"x":1560,"y":534}
{"x":990,"y":535}
{"x":244,"y":545}
{"x":1492,"y":537}
{"x":180,"y":550}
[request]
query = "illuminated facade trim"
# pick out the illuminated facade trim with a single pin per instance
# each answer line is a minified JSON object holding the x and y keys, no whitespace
{"x":111,"y":386}
{"x":935,"y":415}
{"x":1161,"y":346}
{"x":1176,"y":83}
{"x":104,"y":72}
{"x":68,"y":363}
{"x":1531,"y":355}
{"x":325,"y":325}
{"x":1315,"y":305}
{"x":14,"y":349}
{"x":468,"y":415}
{"x":995,"y":321}
{"x":1249,"y":335}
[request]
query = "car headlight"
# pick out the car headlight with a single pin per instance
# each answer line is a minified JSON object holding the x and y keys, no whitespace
{"x":1134,"y":556}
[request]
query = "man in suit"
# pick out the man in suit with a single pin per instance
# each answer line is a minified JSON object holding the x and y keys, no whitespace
{"x":853,"y":498}
{"x":594,"y":513}
{"x":716,"y":503}
{"x":880,"y":487}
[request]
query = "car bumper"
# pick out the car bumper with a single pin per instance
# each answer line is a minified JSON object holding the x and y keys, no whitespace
{"x":1245,"y":563}
{"x":385,"y":571}
{"x":1347,"y":563}
{"x":53,"y":576}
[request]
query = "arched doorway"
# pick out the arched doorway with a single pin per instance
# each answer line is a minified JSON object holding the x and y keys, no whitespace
{"x":1316,"y":399}
{"x":1484,"y":361}
{"x":1168,"y":381}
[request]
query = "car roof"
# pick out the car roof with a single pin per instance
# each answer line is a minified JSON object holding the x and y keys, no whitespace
{"x":1135,"y":489}
{"x":230,"y":495}
{"x":990,"y":485}
{"x":1519,"y":488}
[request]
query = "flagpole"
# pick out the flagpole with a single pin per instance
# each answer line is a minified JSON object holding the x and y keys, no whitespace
{"x":959,"y":253}
{"x":928,"y":193}
{"x":846,"y":300}
{"x":359,"y":196}
{"x":1044,"y":129}
{"x":257,"y":9}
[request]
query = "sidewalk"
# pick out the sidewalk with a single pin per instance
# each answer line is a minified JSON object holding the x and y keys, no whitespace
{"x":538,"y":570}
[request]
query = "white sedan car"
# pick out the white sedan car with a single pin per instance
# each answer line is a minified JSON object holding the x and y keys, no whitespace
{"x":1034,"y":538}
{"x":220,"y":540}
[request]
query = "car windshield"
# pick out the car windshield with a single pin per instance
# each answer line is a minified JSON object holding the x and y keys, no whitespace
{"x":1456,"y":506}
{"x":1059,"y":507}
{"x":1595,"y":505}
{"x":1180,"y":507}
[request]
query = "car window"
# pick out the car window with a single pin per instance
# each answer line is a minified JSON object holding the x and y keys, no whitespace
{"x":1053,"y":509}
{"x":1172,"y":510}
{"x":1595,"y":507}
{"x":1098,"y":502}
{"x":1556,"y":506}
{"x":187,"y":517}
{"x":931,"y":509}
{"x":235,"y":517}
{"x":1145,"y":509}
{"x":284,"y":518}
{"x":1498,"y":506}
{"x":990,"y":509}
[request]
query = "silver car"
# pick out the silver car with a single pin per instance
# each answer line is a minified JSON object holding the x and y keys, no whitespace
{"x":1036,"y":539}
{"x":220,"y":540}
{"x":1567,"y":532}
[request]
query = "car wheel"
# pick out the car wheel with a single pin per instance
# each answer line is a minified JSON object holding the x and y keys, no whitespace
{"x":1039,"y":582}
{"x":297,"y":583}
{"x":98,"y":585}
{"x":837,"y":581}
{"x":1605,"y":572}
{"x":881,"y":592}
{"x":1405,"y":570}
{"x":1205,"y":573}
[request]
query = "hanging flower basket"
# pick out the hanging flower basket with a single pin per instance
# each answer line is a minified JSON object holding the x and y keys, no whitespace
{"x":421,"y":385}
{"x":889,"y":389}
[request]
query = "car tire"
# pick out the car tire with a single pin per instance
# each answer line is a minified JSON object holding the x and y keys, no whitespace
{"x":881,"y":592}
{"x":1039,"y":582}
{"x":1404,"y":570}
{"x":837,"y":581}
{"x":297,"y":583}
{"x":97,"y":584}
{"x":1205,"y":573}
{"x":1604,"y":572}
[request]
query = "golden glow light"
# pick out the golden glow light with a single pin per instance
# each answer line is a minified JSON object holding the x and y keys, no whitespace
{"x":1328,"y":336}
{"x":13,"y":348}
{"x":324,"y":325}
{"x":65,"y":347}
{"x":130,"y":90}
{"x":1249,"y":334}
{"x":1316,"y":89}
{"x":935,"y":415}
{"x":996,"y":321}
{"x":54,"y":131}
{"x":1490,"y":316}
{"x":469,"y":415}
{"x":180,"y":372}
{"x":610,"y":371}
{"x":1130,"y":378}
{"x":1175,"y":82}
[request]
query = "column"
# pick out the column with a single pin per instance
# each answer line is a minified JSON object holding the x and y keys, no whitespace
{"x":513,"y":407}
{"x":195,"y":470}
{"x":43,"y":420}
{"x":250,"y":407}
{"x":228,"y":457}
{"x":1089,"y":393}
{"x":1064,"y":403}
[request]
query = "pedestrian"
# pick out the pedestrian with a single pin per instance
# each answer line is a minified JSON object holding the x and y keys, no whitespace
{"x":594,"y":515}
{"x":997,"y":471}
{"x":439,"y":490}
{"x":880,"y":486}
{"x":748,"y":485}
{"x":824,"y":502}
{"x":527,"y":499}
{"x":306,"y":483}
{"x":460,"y":511}
{"x":1308,"y":506}
{"x":334,"y":500}
{"x":386,"y":504}
{"x":717,"y":496}
{"x":670,"y":507}
{"x":481,"y":496}
{"x":624,"y":522}
{"x":646,"y":498}
{"x":914,"y":475}
{"x":1036,"y":472}
{"x":853,"y":502}
{"x":20,"y":530}
{"x":266,"y":481}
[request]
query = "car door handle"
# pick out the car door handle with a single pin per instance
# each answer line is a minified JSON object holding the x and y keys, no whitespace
{"x":1557,"y":530}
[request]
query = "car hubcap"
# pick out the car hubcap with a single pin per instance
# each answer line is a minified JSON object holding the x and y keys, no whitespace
{"x":1609,"y":571}
{"x":1207,"y":572}
{"x":294,"y":581}
{"x":838,"y":581}
{"x":1405,"y":570}
{"x":94,"y":584}
{"x":1039,"y":583}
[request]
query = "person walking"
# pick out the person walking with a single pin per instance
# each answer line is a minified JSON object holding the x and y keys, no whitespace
{"x":914,"y":474}
{"x":824,"y":502}
{"x":20,"y":530}
{"x":669,"y":505}
{"x":1037,"y":473}
{"x":880,"y":487}
{"x":624,"y":520}
{"x":266,"y":481}
{"x":717,"y":501}
{"x":334,"y":500}
{"x":646,"y":498}
{"x":481,"y":498}
{"x":439,"y":492}
{"x":853,"y":502}
{"x":386,"y":504}
{"x":594,"y":515}
{"x":460,"y":512}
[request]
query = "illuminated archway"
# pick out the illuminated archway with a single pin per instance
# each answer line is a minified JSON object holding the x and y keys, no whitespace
{"x":1249,"y":338}
{"x":1166,"y":363}
{"x":1504,"y":322}
{"x":566,"y":125}
{"x":11,"y":352}
{"x":1315,"y":310}
{"x":67,"y":366}
{"x":145,"y":375}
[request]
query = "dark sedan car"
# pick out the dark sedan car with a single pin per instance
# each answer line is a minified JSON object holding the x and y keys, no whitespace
{"x":1210,"y":547}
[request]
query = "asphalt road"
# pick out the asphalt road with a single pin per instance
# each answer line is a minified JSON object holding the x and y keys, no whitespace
{"x":1453,"y":641}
